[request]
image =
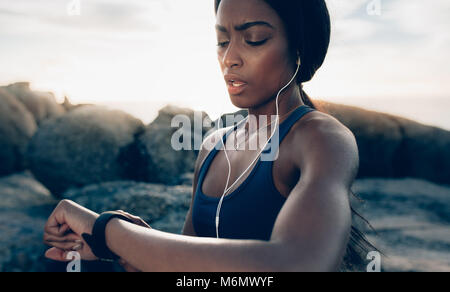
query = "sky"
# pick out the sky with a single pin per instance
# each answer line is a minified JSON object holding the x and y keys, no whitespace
{"x":387,"y":55}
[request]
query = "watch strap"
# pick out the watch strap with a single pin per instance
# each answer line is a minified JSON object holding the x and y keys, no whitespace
{"x":97,"y":240}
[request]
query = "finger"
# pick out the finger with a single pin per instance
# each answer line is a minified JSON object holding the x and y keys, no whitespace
{"x":71,"y":237}
{"x":63,"y":229}
{"x":57,"y":254}
{"x":139,"y":221}
{"x":53,"y":230}
{"x":126,"y":214}
{"x":56,"y":225}
{"x":136,"y":220}
{"x":74,"y":246}
{"x":130,"y":269}
{"x":127,"y":267}
{"x":56,"y":229}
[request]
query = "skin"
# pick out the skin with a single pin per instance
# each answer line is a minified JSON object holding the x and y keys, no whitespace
{"x":312,"y":229}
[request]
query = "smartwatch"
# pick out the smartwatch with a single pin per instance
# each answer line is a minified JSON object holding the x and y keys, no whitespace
{"x":97,"y":240}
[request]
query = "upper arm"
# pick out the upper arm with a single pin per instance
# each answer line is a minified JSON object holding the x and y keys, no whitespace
{"x":314,"y":224}
{"x":205,"y":148}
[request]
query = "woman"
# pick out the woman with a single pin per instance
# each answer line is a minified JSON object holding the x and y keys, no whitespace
{"x":290,"y":214}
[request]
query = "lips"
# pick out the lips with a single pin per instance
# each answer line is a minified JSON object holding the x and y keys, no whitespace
{"x":235,"y":84}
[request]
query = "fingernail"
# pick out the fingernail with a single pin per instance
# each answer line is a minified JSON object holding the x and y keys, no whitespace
{"x":77,"y":247}
{"x":78,"y":241}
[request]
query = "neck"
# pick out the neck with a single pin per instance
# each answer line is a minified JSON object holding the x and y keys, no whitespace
{"x":287,"y":101}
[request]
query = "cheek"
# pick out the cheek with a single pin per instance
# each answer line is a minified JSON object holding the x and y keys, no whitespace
{"x":269,"y":68}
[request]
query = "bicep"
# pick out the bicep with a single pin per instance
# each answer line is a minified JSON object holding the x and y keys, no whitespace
{"x":313,"y":227}
{"x":315,"y":222}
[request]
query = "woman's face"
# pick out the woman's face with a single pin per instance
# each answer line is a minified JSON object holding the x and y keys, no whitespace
{"x":253,"y":50}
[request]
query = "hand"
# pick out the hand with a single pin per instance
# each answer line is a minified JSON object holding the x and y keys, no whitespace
{"x":135,"y":219}
{"x":64,"y":228}
{"x":138,"y":221}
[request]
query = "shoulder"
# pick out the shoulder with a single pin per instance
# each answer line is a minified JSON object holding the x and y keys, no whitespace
{"x":325,"y":146}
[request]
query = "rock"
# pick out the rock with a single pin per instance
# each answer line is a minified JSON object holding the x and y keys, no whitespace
{"x":24,"y":208}
{"x":163,"y":207}
{"x":68,"y":106}
{"x":424,"y":152}
{"x":187,"y":178}
{"x":17,"y":126}
{"x":41,"y":104}
{"x":22,"y":191}
{"x":411,"y":220}
{"x":87,"y":145}
{"x":378,"y":137}
{"x":160,"y":162}
{"x":395,"y":147}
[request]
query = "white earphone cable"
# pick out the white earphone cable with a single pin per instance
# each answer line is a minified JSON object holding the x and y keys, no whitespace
{"x":256,"y":158}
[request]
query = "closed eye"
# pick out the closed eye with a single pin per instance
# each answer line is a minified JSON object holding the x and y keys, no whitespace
{"x":222,"y":44}
{"x":255,"y":44}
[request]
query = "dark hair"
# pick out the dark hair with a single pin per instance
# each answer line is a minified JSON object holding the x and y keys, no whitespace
{"x":308,"y":28}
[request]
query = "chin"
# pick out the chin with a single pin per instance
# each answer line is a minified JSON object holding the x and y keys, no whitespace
{"x":241,"y":101}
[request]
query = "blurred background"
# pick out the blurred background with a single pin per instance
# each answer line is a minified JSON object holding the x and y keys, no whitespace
{"x":387,"y":55}
{"x":88,"y":89}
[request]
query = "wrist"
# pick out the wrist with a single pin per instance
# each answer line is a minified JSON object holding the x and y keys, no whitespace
{"x":97,"y":239}
{"x":110,"y":230}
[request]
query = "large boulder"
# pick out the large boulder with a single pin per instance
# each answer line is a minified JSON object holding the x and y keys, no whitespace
{"x":68,"y":106}
{"x":25,"y":205}
{"x":424,"y":152}
{"x":17,"y":126}
{"x":160,"y":161}
{"x":163,"y":207}
{"x":42,"y":105}
{"x":392,"y":146}
{"x":87,"y":145}
{"x":411,"y":222}
{"x":378,"y":137}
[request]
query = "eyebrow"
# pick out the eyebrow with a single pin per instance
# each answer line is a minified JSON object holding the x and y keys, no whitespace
{"x":245,"y":26}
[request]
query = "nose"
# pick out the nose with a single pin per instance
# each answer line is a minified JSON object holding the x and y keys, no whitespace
{"x":232,"y":57}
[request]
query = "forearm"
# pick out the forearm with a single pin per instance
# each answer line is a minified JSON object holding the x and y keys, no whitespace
{"x":153,"y":250}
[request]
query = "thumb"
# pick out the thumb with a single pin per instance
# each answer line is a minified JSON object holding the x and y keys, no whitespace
{"x":57,"y":254}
